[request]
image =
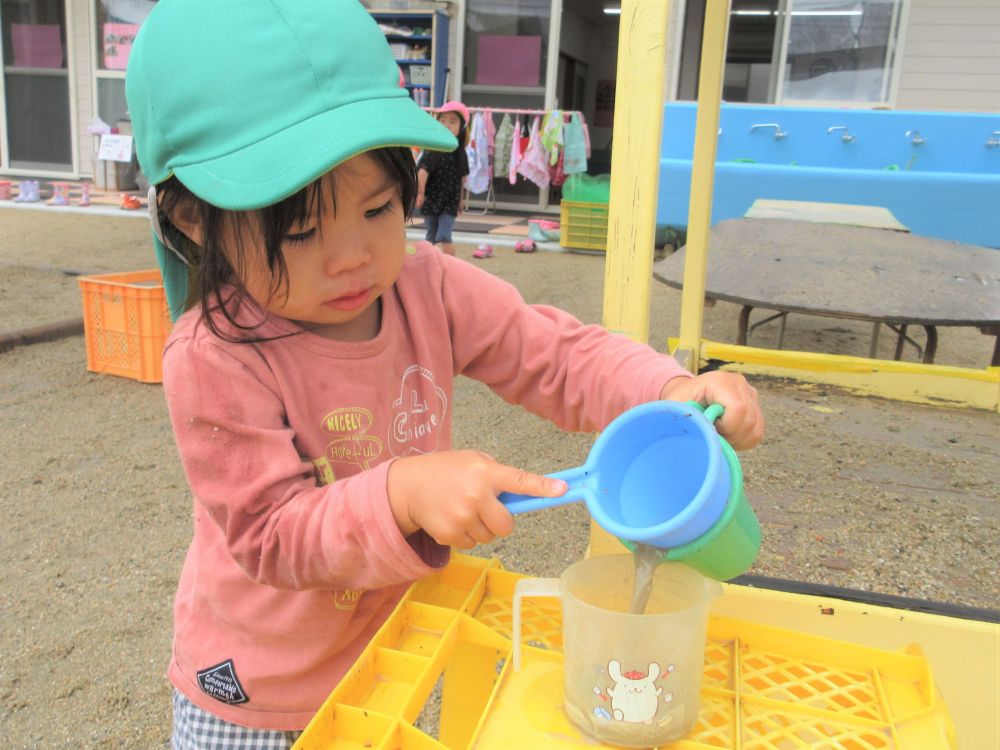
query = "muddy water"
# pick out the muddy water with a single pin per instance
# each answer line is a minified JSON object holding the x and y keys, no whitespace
{"x":646,"y":560}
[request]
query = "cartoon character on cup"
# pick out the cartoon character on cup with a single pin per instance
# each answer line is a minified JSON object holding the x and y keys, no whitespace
{"x":634,"y":697}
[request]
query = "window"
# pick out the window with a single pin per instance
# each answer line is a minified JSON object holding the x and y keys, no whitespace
{"x":506,"y":46}
{"x":35,"y":86}
{"x":839,"y":50}
{"x":117,"y":23}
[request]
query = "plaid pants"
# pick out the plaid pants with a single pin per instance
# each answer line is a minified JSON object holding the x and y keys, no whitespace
{"x":197,"y":729}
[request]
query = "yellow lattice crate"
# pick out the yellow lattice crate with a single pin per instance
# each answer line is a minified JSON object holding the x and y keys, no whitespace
{"x":583,"y":225}
{"x":763,"y":688}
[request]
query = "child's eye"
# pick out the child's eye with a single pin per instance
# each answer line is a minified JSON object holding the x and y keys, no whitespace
{"x":300,"y":236}
{"x":376,"y":212}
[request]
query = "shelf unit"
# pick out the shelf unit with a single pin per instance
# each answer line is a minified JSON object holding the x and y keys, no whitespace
{"x":426,"y":76}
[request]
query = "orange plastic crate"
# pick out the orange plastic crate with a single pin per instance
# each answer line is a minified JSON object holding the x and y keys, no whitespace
{"x":125,"y":324}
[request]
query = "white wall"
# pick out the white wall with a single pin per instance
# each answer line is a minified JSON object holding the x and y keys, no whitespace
{"x":951,"y":56}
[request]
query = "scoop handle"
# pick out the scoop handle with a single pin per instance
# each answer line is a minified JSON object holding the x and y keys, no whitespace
{"x":711,"y":413}
{"x":576,"y":491}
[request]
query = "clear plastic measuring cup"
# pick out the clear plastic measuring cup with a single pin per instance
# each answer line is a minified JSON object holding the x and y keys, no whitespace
{"x":632,"y":680}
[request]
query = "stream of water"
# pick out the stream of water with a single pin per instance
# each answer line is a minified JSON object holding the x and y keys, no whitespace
{"x":647,"y":558}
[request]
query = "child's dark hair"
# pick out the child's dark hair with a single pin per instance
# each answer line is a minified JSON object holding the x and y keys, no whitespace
{"x":209,"y":270}
{"x":463,"y":129}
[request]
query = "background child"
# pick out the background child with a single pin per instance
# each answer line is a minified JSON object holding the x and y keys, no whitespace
{"x":309,"y":378}
{"x":439,"y":179}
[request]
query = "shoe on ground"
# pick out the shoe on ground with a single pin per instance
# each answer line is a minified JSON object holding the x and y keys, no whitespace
{"x":130,"y":202}
{"x":524,"y":246}
{"x":483,"y":251}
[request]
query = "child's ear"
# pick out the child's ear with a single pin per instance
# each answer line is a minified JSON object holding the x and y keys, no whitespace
{"x":185,"y":218}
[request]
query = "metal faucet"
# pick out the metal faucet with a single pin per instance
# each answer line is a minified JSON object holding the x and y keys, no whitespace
{"x":846,"y":137}
{"x":993,"y":141}
{"x":778,"y":132}
{"x":915,"y":138}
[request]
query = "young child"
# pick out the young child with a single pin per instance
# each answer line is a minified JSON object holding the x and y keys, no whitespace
{"x":309,"y":379}
{"x":439,"y":179}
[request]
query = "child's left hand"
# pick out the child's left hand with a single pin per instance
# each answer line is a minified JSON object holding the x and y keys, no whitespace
{"x":742,"y":424}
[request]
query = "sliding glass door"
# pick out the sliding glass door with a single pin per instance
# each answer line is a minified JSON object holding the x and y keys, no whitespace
{"x":506,"y":64}
{"x":36,"y":94}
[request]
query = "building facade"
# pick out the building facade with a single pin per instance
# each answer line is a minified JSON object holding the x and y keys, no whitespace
{"x":64,"y":64}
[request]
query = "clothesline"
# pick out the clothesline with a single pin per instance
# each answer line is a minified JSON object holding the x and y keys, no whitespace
{"x":507,"y":111}
{"x":555,"y":144}
{"x":539,"y":112}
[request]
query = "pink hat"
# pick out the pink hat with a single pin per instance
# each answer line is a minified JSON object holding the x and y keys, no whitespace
{"x":454,"y":106}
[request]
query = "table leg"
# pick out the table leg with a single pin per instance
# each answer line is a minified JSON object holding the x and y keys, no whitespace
{"x":922,"y":351}
{"x":900,"y":341}
{"x":873,"y":347}
{"x":994,"y":331}
{"x":930,"y":349}
{"x":742,"y":325}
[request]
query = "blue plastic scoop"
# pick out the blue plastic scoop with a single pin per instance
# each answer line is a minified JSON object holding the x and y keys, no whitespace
{"x":656,"y":475}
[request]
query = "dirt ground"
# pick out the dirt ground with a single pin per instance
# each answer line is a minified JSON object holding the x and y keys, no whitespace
{"x":851,"y":491}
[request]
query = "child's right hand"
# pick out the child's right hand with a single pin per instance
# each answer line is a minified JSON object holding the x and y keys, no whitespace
{"x":452,"y":495}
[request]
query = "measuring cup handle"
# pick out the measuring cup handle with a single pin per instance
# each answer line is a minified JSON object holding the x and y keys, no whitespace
{"x":523,"y":503}
{"x":529,"y":587}
{"x":711,"y":413}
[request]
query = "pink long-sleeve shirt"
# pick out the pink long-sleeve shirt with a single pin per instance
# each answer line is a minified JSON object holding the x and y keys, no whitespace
{"x":296,"y":559}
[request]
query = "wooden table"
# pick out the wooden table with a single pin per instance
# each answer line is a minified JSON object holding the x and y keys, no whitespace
{"x":840,"y":271}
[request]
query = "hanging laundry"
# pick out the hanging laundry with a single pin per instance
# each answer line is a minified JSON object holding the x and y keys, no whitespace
{"x":535,"y":164}
{"x":575,"y":147}
{"x":491,"y":134}
{"x":552,"y":135}
{"x":479,"y":178}
{"x":515,"y":152}
{"x":525,"y":137}
{"x":557,"y":174}
{"x":501,"y":147}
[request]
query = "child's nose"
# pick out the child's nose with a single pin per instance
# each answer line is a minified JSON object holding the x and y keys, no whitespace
{"x":346,"y":252}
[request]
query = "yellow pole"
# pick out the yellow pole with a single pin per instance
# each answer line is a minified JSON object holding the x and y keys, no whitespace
{"x":635,"y":165}
{"x":713,"y":60}
{"x":642,"y":43}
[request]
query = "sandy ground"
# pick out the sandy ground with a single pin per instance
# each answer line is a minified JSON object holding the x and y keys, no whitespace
{"x":856,"y":492}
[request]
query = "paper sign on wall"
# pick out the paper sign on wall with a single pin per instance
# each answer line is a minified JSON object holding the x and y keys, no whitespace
{"x":118,"y":38}
{"x":115,"y":147}
{"x":507,"y":60}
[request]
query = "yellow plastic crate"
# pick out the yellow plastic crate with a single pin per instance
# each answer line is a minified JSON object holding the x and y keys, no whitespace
{"x":125,"y":323}
{"x":764,"y":688}
{"x":583,"y":225}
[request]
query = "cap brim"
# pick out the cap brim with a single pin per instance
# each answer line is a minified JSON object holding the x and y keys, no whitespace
{"x":282,"y":164}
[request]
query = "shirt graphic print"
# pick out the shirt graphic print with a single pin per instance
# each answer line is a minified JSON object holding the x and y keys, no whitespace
{"x":418,"y":414}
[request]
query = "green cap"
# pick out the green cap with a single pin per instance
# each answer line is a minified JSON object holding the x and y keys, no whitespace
{"x":248,"y":101}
